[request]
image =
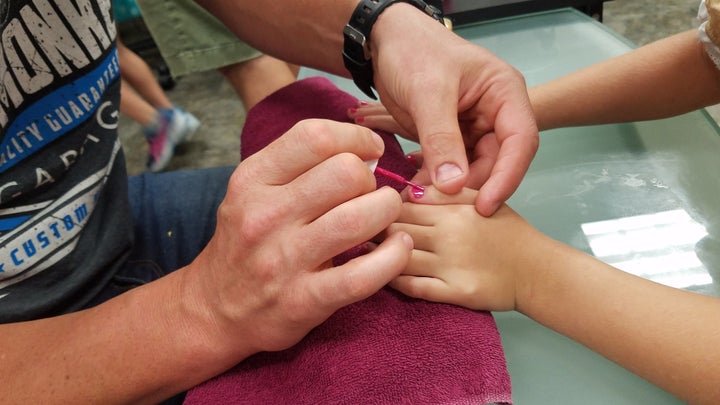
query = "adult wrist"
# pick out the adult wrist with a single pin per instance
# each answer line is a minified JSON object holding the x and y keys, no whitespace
{"x":356,"y":50}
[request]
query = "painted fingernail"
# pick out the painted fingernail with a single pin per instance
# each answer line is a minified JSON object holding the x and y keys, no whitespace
{"x":359,"y":119}
{"x":447,"y":172}
{"x":362,"y":103}
{"x":352,"y":110}
{"x":417,"y":192}
{"x":411,"y":159}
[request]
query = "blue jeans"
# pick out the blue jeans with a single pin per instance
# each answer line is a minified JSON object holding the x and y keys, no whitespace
{"x":174,"y":216}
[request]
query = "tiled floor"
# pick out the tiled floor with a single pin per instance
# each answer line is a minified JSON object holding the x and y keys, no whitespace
{"x":213,"y":101}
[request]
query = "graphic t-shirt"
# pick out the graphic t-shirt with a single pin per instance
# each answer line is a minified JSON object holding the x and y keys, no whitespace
{"x":64,"y":215}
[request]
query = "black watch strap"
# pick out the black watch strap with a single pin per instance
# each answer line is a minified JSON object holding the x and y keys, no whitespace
{"x":356,"y":52}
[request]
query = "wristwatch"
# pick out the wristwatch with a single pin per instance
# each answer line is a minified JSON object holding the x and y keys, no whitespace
{"x":356,"y":49}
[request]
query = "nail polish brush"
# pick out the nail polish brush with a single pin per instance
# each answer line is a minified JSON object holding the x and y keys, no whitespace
{"x":416,"y":189}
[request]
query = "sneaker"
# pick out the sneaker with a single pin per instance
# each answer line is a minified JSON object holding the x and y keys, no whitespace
{"x":172,"y":128}
{"x":184,"y":125}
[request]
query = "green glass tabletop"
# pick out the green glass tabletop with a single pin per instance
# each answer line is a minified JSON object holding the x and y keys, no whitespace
{"x":641,"y":196}
{"x":644,"y":197}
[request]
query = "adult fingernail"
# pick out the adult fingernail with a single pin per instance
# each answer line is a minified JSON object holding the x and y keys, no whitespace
{"x":407,"y":239}
{"x":447,"y":172}
{"x":411,"y":159}
{"x":359,"y":119}
{"x":378,"y":140}
{"x":362,"y":103}
{"x":352,"y":110}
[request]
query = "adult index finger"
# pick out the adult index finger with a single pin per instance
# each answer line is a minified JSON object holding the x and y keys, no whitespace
{"x":518,"y":137}
{"x":309,"y":143}
{"x":440,"y":139}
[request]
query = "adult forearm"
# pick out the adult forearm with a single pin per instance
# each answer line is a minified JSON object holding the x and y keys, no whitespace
{"x":305,"y":32}
{"x":666,"y":335}
{"x":666,"y":78}
{"x":141,"y":347}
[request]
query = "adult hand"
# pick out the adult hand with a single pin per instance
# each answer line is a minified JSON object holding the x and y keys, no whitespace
{"x":463,"y":258}
{"x":267,"y":273}
{"x":428,"y":77}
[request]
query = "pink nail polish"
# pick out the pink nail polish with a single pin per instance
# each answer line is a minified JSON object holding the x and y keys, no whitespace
{"x":417,"y":192}
{"x":353,"y":110}
{"x":411,"y":159}
{"x":359,"y":119}
{"x":362,"y":103}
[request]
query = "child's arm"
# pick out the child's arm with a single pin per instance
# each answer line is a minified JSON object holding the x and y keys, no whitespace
{"x":668,"y":77}
{"x":668,"y":336}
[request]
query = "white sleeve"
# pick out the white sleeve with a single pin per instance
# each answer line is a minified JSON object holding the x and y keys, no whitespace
{"x":709,"y":23}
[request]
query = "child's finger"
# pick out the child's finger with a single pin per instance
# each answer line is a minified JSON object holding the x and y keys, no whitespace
{"x":434,"y":196}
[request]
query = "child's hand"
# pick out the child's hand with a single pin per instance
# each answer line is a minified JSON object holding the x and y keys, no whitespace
{"x":463,"y":258}
{"x":374,"y":115}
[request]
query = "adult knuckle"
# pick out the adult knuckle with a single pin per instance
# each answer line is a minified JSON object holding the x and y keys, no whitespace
{"x":350,"y":175}
{"x":349,"y":223}
{"x":355,"y":287}
{"x":254,"y":223}
{"x":242,"y":175}
{"x":317,"y":136}
{"x":440,"y":143}
{"x":350,"y":168}
{"x":270,"y":264}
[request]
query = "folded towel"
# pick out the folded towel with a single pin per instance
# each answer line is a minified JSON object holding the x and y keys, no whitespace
{"x":387,"y":349}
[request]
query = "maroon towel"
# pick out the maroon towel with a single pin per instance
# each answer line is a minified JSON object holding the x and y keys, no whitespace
{"x":387,"y":349}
